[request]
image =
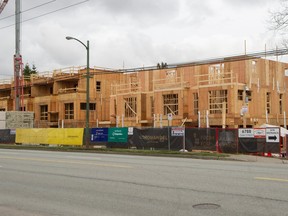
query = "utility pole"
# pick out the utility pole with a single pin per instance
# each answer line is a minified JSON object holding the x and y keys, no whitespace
{"x":87,"y":137}
{"x":17,"y":56}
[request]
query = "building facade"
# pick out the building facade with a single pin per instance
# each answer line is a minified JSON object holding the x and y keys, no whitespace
{"x":232,"y":92}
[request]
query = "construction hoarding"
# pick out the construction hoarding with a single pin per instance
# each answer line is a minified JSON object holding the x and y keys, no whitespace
{"x":7,"y":136}
{"x":51,"y":136}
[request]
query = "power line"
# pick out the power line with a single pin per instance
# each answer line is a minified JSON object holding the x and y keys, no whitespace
{"x":28,"y":9}
{"x":45,"y":14}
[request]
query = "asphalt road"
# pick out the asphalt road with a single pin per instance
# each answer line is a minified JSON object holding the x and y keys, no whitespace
{"x":42,"y":183}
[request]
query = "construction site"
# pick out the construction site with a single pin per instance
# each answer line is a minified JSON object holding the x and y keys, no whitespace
{"x":231,"y":92}
{"x":235,"y":92}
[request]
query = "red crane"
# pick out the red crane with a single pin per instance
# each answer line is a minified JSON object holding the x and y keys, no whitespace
{"x":2,"y":5}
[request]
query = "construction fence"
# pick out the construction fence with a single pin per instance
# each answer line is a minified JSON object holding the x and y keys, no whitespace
{"x":257,"y":141}
{"x":205,"y":139}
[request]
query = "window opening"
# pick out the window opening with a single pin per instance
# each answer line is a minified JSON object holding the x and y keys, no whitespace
{"x":69,"y":111}
{"x":170,"y":102}
{"x":217,"y":99}
{"x":130,"y":107}
{"x":44,"y":112}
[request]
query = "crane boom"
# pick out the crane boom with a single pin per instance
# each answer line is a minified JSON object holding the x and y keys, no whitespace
{"x":2,"y":5}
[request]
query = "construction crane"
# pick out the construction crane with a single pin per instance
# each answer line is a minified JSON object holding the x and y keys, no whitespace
{"x":2,"y":5}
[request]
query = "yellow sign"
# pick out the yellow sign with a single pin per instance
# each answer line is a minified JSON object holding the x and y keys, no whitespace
{"x":51,"y":136}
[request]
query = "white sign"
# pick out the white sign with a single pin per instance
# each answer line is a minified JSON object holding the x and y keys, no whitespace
{"x":245,"y":133}
{"x":170,"y":116}
{"x":272,"y":135}
{"x":259,"y":132}
{"x":177,"y":131}
{"x":244,"y":110}
{"x":130,"y":130}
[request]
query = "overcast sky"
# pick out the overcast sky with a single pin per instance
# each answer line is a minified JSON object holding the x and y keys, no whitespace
{"x":133,"y":33}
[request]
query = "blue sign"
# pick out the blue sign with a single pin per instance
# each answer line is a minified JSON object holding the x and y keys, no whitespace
{"x":99,"y":135}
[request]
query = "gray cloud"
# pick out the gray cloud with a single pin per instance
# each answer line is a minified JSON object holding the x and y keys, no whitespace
{"x":248,"y":3}
{"x":136,"y":32}
{"x":145,"y":13}
{"x":139,"y":7}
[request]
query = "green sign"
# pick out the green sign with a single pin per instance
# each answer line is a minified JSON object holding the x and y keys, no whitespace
{"x":117,"y":134}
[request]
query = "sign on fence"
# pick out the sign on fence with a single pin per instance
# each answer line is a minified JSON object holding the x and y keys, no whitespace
{"x":99,"y":135}
{"x":117,"y":134}
{"x":272,"y":135}
{"x":130,"y":131}
{"x":51,"y":136}
{"x":259,"y":132}
{"x":245,"y":133}
{"x":178,"y":131}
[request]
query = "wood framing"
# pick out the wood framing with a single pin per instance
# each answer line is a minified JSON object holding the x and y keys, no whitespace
{"x":235,"y":92}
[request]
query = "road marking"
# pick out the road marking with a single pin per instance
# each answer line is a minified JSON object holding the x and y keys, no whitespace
{"x":83,"y":157}
{"x":271,"y":179}
{"x":67,"y":162}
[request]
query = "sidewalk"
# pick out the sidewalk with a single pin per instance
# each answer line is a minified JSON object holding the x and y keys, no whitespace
{"x":260,"y":159}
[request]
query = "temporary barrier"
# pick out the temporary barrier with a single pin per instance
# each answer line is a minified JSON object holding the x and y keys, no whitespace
{"x":7,"y":136}
{"x":227,"y":140}
{"x":51,"y":136}
{"x":201,"y":138}
{"x":250,"y":145}
{"x":242,"y":140}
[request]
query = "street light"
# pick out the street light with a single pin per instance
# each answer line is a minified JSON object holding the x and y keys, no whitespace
{"x":87,"y":90}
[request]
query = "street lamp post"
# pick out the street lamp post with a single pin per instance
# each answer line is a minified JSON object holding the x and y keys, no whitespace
{"x":87,"y":90}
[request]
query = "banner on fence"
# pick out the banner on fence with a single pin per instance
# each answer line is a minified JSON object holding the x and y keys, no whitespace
{"x":51,"y":136}
{"x":118,"y":134}
{"x":150,"y":138}
{"x":99,"y":135}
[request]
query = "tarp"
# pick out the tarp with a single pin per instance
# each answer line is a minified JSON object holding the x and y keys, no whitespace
{"x":7,"y":136}
{"x":227,"y":140}
{"x":201,"y":138}
{"x":283,"y":131}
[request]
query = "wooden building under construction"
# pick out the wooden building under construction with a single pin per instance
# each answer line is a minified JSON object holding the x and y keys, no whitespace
{"x":237,"y":91}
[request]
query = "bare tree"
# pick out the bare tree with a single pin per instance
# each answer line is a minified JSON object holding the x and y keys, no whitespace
{"x":279,"y":21}
{"x":279,"y":18}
